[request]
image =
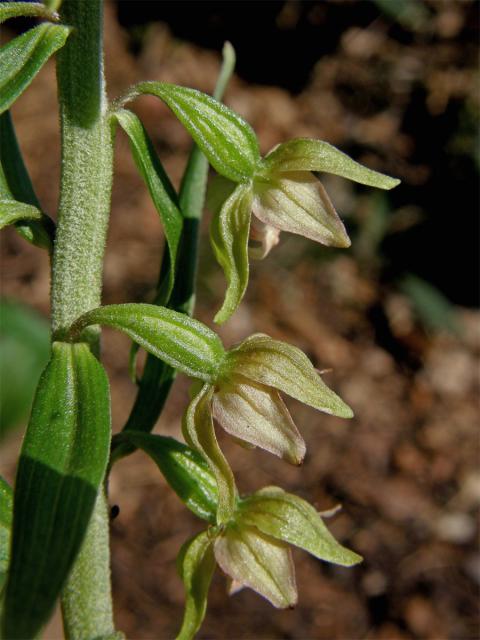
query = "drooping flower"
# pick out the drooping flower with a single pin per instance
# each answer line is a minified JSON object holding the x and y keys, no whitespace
{"x":245,"y":401}
{"x":252,"y":549}
{"x":283,"y":195}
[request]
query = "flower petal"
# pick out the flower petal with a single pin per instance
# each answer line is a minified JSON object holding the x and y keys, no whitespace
{"x":297,"y":202}
{"x":196,"y":564}
{"x":255,"y":560}
{"x":307,"y":154}
{"x":291,"y":519}
{"x":256,"y":414}
{"x":198,"y":432}
{"x":284,"y":367}
{"x":229,"y":233}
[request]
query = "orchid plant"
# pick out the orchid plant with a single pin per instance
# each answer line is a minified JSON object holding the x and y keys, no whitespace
{"x":54,"y":526}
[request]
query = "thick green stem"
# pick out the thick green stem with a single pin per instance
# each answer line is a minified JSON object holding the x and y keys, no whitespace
{"x":86,"y":167}
{"x":85,"y":614}
{"x":77,"y":268}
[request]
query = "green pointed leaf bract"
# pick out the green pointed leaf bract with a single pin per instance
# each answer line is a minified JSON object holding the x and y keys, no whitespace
{"x":12,"y":211}
{"x":182,"y":342}
{"x":16,"y":191}
{"x":228,"y":142}
{"x":23,"y":57}
{"x":62,"y":465}
{"x":162,"y":193}
{"x":25,"y":9}
{"x":157,"y":376}
{"x":184,"y":469}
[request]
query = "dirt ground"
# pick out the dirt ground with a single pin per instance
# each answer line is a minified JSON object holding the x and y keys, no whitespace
{"x":405,"y":469}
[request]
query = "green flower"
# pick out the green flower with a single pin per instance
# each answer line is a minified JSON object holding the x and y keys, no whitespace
{"x":252,"y":549}
{"x":283,"y":195}
{"x":245,"y":401}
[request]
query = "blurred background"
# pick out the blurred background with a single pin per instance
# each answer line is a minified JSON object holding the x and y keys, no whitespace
{"x":394,"y":83}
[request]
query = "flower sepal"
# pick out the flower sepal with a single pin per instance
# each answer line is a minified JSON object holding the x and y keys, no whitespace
{"x":282,"y":366}
{"x":290,"y":519}
{"x":308,"y":154}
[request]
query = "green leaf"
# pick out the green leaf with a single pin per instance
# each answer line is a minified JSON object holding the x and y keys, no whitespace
{"x":25,"y":9}
{"x":291,"y":519}
{"x":184,"y":469}
{"x":229,"y":232}
{"x":286,"y":368}
{"x":159,"y":186}
{"x":24,"y":352}
{"x":182,"y":342}
{"x":228,"y":141}
{"x":12,"y":211}
{"x":306,"y":154}
{"x":196,"y":564}
{"x":15,"y":185}
{"x":61,"y":468}
{"x":6,"y":509}
{"x":23,"y":57}
{"x":228,"y":66}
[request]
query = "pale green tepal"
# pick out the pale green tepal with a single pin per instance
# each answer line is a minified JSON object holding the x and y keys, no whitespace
{"x":283,"y":195}
{"x":252,"y":550}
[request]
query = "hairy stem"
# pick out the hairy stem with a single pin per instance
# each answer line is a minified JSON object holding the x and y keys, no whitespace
{"x":86,"y":168}
{"x":77,"y":268}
